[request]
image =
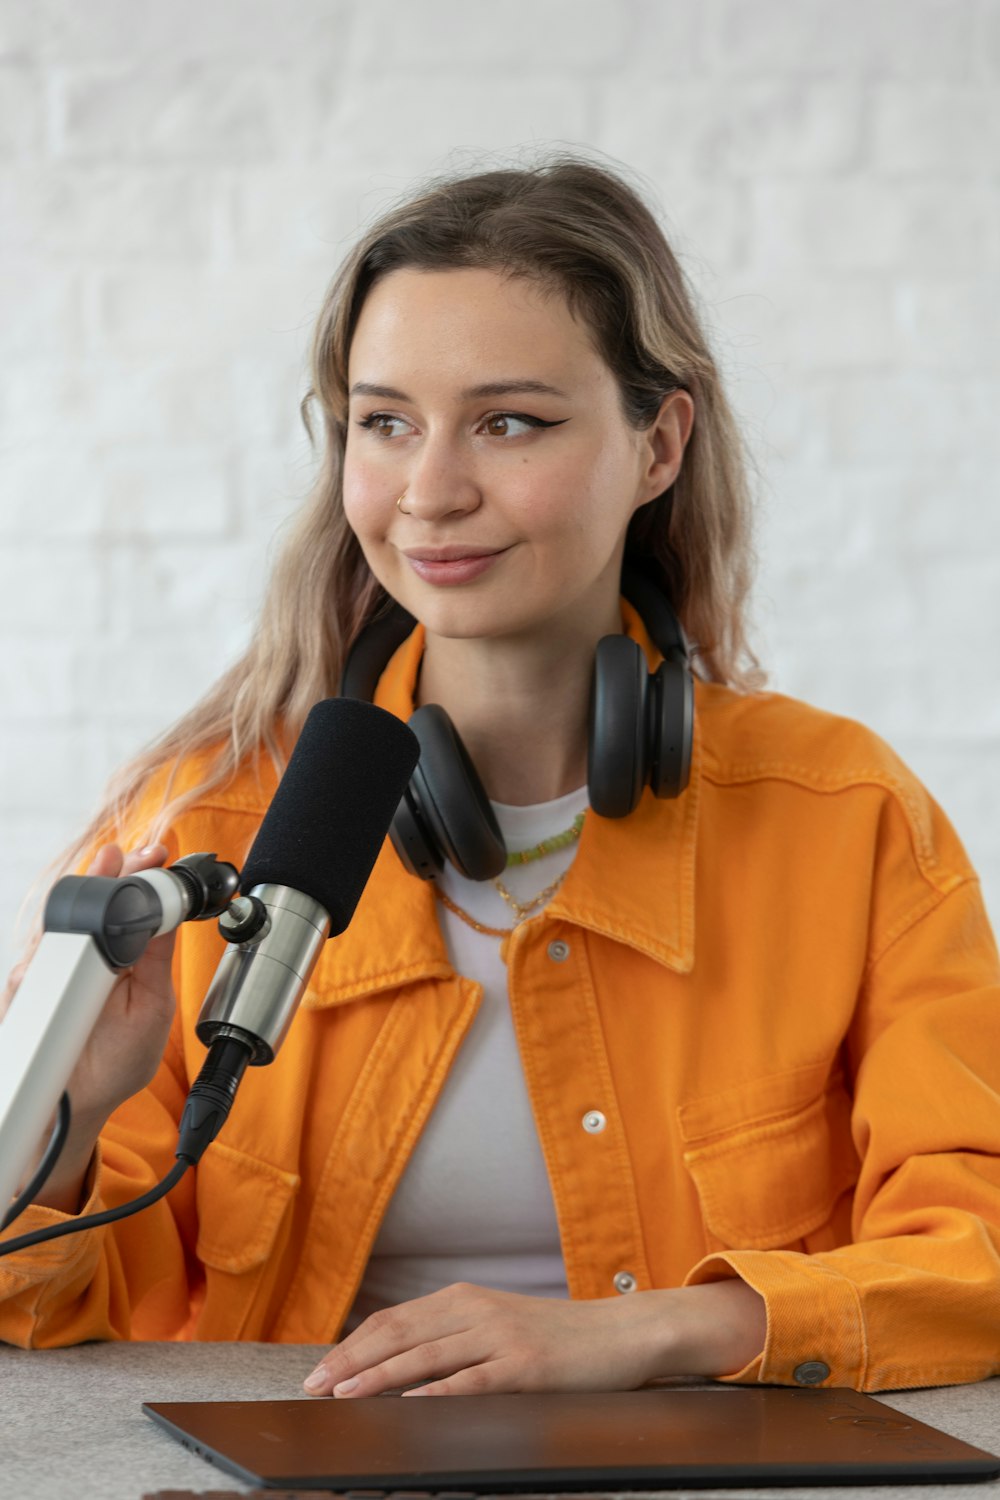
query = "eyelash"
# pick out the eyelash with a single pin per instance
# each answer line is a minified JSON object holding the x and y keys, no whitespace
{"x":371,"y":421}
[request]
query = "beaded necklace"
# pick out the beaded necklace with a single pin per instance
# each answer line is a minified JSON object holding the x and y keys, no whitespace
{"x":521,"y":909}
{"x":547,"y":846}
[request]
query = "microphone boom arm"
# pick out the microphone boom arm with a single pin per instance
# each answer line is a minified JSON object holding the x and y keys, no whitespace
{"x":95,"y":927}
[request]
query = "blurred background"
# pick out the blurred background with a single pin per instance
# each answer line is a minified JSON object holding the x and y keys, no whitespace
{"x":178,"y":183}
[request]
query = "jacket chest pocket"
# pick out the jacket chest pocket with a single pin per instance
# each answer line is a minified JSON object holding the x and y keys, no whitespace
{"x":772,"y":1160}
{"x":244,"y":1213}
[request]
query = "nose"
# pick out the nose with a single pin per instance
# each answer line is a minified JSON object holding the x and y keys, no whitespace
{"x":441,"y":482}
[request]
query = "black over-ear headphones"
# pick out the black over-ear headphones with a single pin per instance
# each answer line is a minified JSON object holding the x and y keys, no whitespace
{"x":640,"y":733}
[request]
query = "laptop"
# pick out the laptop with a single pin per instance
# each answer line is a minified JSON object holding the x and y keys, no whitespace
{"x":726,"y":1436}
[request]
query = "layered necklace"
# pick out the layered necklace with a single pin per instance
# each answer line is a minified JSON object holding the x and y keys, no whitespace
{"x":521,"y":909}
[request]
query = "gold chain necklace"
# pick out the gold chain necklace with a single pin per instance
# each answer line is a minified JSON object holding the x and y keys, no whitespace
{"x":503,"y":933}
{"x":524,"y":909}
{"x":470,"y":921}
{"x":521,"y":909}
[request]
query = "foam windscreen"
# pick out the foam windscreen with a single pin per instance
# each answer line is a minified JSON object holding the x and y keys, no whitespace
{"x":334,"y":805}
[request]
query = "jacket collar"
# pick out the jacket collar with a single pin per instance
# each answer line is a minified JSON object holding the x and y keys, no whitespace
{"x":631,"y":880}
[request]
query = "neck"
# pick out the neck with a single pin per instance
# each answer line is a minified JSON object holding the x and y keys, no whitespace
{"x":520,"y":708}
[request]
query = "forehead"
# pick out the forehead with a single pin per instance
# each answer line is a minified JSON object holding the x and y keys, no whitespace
{"x":470,"y":322}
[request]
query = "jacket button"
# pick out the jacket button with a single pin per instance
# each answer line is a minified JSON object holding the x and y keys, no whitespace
{"x":626,"y":1282}
{"x":594,"y":1122}
{"x":559,"y":952}
{"x":811,"y":1372}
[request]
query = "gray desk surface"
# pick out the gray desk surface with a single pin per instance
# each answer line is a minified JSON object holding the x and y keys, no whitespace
{"x":72,"y":1428}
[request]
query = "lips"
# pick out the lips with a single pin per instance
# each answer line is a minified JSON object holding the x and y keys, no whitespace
{"x":451,"y":565}
{"x":450,"y":554}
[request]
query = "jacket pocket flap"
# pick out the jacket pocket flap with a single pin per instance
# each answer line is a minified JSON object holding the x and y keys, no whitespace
{"x":241,"y":1203}
{"x":767,"y":1179}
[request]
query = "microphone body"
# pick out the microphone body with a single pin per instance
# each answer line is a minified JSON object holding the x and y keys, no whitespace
{"x":259,"y":983}
{"x":305,"y":873}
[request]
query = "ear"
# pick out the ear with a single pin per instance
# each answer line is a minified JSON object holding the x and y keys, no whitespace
{"x":663,"y":444}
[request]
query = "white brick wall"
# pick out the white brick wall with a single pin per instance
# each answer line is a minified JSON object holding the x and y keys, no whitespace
{"x":178,"y":182}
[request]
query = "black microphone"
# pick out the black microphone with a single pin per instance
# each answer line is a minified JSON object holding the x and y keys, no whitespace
{"x":302,"y":880}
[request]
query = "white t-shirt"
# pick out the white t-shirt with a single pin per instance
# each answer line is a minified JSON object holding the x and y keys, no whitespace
{"x":474,"y":1202}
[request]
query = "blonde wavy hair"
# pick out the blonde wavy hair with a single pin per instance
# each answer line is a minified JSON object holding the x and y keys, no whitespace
{"x":572,"y":226}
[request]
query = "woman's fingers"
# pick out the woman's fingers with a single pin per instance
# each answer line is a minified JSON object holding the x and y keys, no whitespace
{"x":107,"y":861}
{"x":457,"y":1354}
{"x":111,"y":861}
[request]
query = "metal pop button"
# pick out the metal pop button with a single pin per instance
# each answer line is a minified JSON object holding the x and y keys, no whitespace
{"x":559,"y":951}
{"x":625,"y":1282}
{"x":811,"y":1372}
{"x":594,"y":1122}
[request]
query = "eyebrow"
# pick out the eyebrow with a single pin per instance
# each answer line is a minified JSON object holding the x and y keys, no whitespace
{"x":471,"y":393}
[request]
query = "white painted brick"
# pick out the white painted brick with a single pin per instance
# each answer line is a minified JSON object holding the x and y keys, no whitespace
{"x":201,"y":313}
{"x":63,"y":596}
{"x":195,"y":112}
{"x":474,"y":122}
{"x":666,"y":39}
{"x":913,"y":39}
{"x":20,"y":112}
{"x":925,"y":512}
{"x":69,"y":767}
{"x":271,"y":484}
{"x":707,"y":230}
{"x":21,"y":26}
{"x":871,"y":416}
{"x":120,"y":402}
{"x":40,"y":310}
{"x":523,"y":37}
{"x":866,"y":224}
{"x":148,"y":684}
{"x":211,"y":590}
{"x":948,"y":324}
{"x":142,"y":492}
{"x":712,"y":126}
{"x":153,"y":494}
{"x":814,"y":321}
{"x":249,"y":30}
{"x":987,"y":40}
{"x":113,"y":212}
{"x":292,"y":212}
{"x":890,"y":646}
{"x":38,"y":678}
{"x":954,"y":131}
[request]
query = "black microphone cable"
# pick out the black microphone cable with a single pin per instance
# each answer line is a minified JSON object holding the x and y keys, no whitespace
{"x":205,"y":1112}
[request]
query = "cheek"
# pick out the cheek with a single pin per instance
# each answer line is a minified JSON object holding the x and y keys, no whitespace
{"x":365,"y":504}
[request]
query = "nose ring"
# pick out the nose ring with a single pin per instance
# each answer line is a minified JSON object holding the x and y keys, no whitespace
{"x":399,"y":504}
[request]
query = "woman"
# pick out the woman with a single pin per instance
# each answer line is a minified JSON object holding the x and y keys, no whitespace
{"x":703,"y":1089}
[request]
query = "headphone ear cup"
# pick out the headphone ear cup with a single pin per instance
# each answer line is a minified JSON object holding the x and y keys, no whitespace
{"x":445,"y":812}
{"x":617,"y":755}
{"x":671,"y":729}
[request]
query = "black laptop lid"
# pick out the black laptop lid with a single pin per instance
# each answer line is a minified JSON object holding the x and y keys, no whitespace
{"x":654,"y":1439}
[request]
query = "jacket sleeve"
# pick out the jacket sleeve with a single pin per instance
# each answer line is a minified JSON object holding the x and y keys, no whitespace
{"x":90,"y":1285}
{"x":914,"y":1299}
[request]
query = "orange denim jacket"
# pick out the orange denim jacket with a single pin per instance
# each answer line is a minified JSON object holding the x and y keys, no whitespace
{"x":781,"y":990}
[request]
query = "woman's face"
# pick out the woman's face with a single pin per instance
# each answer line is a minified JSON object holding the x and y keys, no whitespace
{"x":482,"y":401}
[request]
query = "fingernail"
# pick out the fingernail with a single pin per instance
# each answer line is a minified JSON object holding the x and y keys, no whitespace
{"x":148,"y":849}
{"x":316,"y":1379}
{"x":345,"y":1386}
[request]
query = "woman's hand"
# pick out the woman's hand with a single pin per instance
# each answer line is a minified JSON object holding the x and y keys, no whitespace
{"x":468,"y":1340}
{"x":125,"y":1047}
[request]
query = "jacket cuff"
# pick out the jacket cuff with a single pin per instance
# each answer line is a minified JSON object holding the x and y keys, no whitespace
{"x":38,"y":1262}
{"x":815,"y":1328}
